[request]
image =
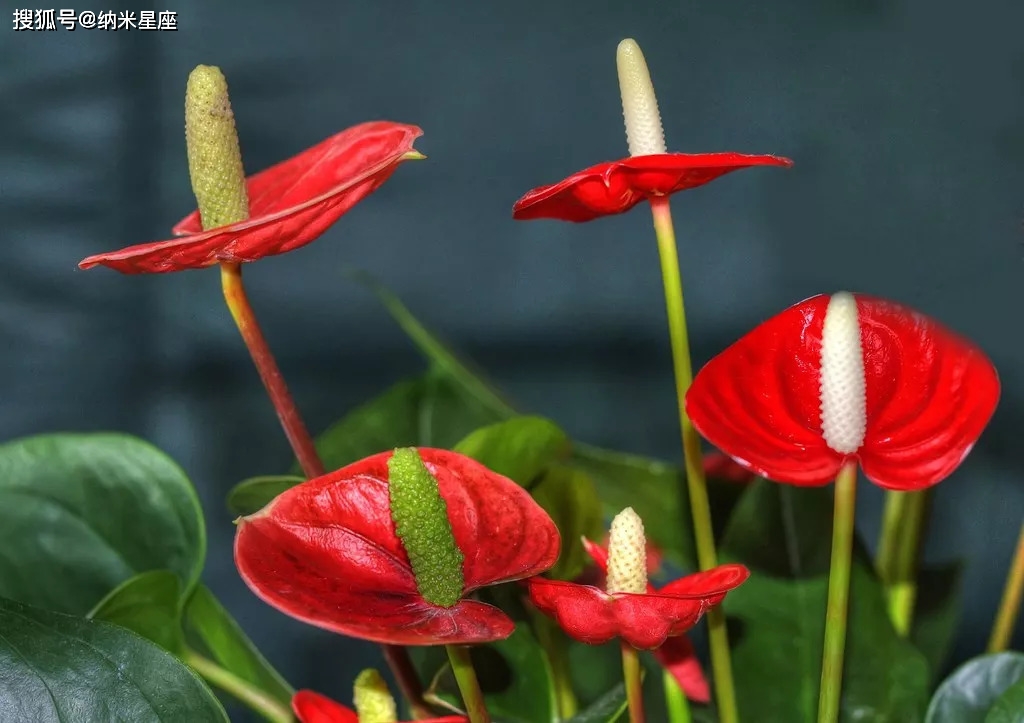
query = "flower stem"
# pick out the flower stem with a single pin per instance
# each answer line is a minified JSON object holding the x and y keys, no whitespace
{"x":838,"y":593}
{"x":700,"y":507}
{"x":553,"y":641}
{"x":901,"y":589}
{"x":240,"y":689}
{"x":1009,"y":608}
{"x":675,"y":700}
{"x":634,"y":683}
{"x":408,"y":680}
{"x":469,"y":686}
{"x":888,"y":542}
{"x":301,"y":442}
{"x":238,"y":303}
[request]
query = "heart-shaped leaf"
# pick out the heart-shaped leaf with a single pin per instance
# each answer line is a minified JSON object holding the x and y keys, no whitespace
{"x":971,"y":692}
{"x":57,"y":668}
{"x":937,"y":613}
{"x":569,"y":497}
{"x":780,"y":612}
{"x":429,"y":411}
{"x":82,"y":513}
{"x":255,"y":493}
{"x":1009,"y":707}
{"x":521,"y":448}
{"x":148,"y":604}
{"x":212,"y":629}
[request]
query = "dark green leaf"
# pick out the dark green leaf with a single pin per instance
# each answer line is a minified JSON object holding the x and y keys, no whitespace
{"x":61,"y":669}
{"x":255,"y":493}
{"x":777,"y":658}
{"x":568,"y":495}
{"x":521,"y":448}
{"x":429,"y":411}
{"x":778,"y":532}
{"x":217,"y":633}
{"x":937,"y":613}
{"x":782,"y":531}
{"x":82,"y":513}
{"x":1009,"y":707}
{"x":148,"y":604}
{"x":969,"y":694}
{"x":609,"y":708}
{"x":651,"y":488}
{"x":385,"y":422}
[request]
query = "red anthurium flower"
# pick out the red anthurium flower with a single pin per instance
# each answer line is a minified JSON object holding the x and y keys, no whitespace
{"x":845,"y":377}
{"x":616,"y":186}
{"x":630,"y":608}
{"x":290,"y":204}
{"x":329,"y":552}
{"x":311,"y":707}
{"x":676,"y":654}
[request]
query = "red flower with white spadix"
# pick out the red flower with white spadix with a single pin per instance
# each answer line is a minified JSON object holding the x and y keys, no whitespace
{"x":649,"y":172}
{"x":629,"y":607}
{"x":847,"y":377}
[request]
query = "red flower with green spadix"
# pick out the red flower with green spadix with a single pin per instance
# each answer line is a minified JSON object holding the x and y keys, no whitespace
{"x":389,"y":548}
{"x":616,"y":186}
{"x":629,"y":607}
{"x":284,"y":207}
{"x":373,"y":704}
{"x":847,"y":377}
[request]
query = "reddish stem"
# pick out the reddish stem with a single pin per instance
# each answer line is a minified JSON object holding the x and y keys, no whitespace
{"x":263,"y":358}
{"x":301,"y":442}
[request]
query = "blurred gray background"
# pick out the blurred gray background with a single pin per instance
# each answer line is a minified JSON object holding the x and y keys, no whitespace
{"x":905,"y":119}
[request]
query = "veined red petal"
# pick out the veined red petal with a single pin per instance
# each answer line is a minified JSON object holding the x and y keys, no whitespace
{"x":679,"y":658}
{"x":290,"y":204}
{"x":311,"y":707}
{"x":326,"y":552}
{"x":616,"y":186}
{"x":928,"y":395}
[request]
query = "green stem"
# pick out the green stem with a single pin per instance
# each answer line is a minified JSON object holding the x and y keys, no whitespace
{"x":1009,"y":607}
{"x":634,"y":683}
{"x":888,"y":542}
{"x":469,"y":686}
{"x":554,"y":643}
{"x":675,"y":700}
{"x":697,"y":488}
{"x":838,"y":593}
{"x":240,"y":689}
{"x":902,"y":591}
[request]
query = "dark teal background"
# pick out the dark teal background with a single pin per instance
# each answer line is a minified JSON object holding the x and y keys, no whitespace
{"x":905,"y":119}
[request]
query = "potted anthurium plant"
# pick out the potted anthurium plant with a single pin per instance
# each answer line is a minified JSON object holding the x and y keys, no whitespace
{"x":507,"y":572}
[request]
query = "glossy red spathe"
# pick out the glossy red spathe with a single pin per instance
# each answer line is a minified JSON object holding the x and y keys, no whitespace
{"x":645,"y":620}
{"x":290,"y":204}
{"x":311,"y":707}
{"x":616,"y":186}
{"x":929,"y":393}
{"x":325,"y":552}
